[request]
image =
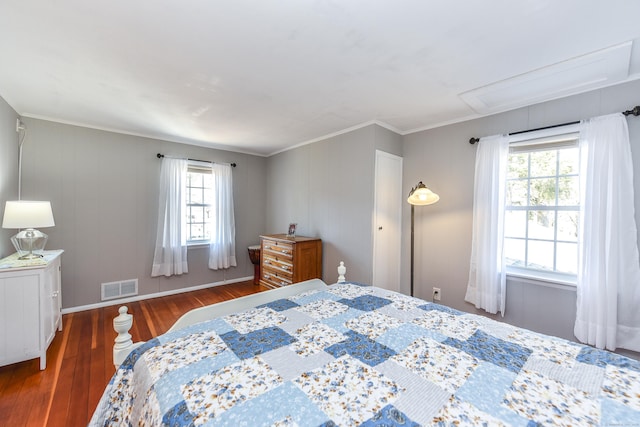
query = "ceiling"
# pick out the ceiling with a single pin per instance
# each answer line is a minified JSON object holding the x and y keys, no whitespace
{"x":261,"y":76}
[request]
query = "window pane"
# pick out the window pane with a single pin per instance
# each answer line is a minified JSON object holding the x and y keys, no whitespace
{"x":195,"y":196}
{"x":540,"y":255}
{"x":568,"y":191}
{"x":567,"y":258}
{"x":197,"y":231}
{"x":515,"y":224}
{"x":514,"y":252}
{"x":543,"y":192}
{"x":197,"y":214}
{"x":568,"y":226}
{"x":208,"y":196}
{"x":195,"y":179}
{"x":569,"y":161}
{"x":541,"y":225}
{"x":518,"y":165}
{"x":207,"y":180}
{"x":517,"y":193}
{"x":543,"y":163}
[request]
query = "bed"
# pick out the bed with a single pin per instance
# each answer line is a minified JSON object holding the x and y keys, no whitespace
{"x":349,"y":354}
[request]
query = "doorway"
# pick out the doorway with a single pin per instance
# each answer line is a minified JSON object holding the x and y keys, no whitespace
{"x":387,"y":221}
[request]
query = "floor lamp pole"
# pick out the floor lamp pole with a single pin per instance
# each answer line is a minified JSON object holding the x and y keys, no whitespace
{"x":412,"y":214}
{"x":419,"y":195}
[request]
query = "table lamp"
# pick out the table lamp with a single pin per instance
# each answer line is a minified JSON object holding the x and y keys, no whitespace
{"x":27,"y":215}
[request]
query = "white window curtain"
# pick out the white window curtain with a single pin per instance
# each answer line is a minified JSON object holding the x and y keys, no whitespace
{"x":222,"y":247}
{"x":486,"y":288}
{"x":608,"y":303}
{"x":170,"y":256}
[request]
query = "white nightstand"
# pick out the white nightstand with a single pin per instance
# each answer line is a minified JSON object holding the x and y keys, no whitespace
{"x":30,"y":303}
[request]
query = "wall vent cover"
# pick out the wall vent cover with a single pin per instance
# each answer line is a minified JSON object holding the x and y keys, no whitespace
{"x":123,"y":288}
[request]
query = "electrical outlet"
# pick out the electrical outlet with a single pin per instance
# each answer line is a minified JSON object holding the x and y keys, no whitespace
{"x":436,"y":294}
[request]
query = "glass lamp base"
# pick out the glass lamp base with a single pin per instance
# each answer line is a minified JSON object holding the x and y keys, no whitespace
{"x":29,"y":243}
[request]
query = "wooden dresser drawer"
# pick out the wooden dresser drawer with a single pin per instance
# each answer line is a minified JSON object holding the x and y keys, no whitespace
{"x":282,"y":265}
{"x":275,"y":278}
{"x":287,"y":260}
{"x":281,"y":249}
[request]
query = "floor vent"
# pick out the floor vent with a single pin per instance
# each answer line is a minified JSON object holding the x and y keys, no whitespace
{"x":123,"y":288}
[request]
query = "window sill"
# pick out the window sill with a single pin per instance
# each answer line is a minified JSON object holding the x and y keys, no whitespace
{"x":543,"y":279}
{"x":197,"y":245}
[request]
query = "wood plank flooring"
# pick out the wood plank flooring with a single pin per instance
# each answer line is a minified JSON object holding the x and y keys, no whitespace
{"x":79,"y":360}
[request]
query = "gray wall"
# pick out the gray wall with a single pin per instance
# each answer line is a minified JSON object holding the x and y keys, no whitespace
{"x":103,"y":188}
{"x":327,"y":188}
{"x":8,"y":169}
{"x":445,"y":161}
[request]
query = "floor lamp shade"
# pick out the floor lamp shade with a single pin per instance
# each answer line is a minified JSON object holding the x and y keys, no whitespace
{"x":27,"y":215}
{"x":420,"y":195}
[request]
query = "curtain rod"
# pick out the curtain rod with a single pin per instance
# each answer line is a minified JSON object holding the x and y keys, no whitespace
{"x":633,"y":112}
{"x":160,"y":156}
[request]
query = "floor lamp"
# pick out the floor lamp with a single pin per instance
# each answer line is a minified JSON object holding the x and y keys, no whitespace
{"x":419,"y":195}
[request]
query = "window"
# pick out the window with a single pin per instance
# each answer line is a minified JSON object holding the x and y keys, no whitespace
{"x":542,"y":210}
{"x":199,"y":200}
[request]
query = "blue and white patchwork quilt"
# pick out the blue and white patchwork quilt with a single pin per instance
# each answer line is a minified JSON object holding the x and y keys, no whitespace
{"x":355,"y":355}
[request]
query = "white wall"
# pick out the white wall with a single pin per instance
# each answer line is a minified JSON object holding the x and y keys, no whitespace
{"x":103,"y":188}
{"x":445,"y":161}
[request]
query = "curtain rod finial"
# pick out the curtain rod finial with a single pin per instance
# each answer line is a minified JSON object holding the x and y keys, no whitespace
{"x":473,"y":140}
{"x":635,"y":111}
{"x":159,"y":155}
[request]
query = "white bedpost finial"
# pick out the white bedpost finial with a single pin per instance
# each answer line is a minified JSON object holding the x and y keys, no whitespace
{"x":342,"y":270}
{"x":123,"y":341}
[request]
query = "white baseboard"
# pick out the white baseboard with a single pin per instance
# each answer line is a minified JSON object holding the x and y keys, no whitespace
{"x":154,"y":295}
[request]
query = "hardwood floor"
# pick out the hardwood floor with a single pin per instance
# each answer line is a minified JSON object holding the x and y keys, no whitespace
{"x":79,"y":360}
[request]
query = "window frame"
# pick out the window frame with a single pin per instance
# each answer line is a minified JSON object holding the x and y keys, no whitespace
{"x":204,"y":168}
{"x":547,"y":139}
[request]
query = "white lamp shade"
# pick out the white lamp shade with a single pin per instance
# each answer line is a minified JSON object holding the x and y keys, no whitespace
{"x":421,"y":195}
{"x":27,"y":214}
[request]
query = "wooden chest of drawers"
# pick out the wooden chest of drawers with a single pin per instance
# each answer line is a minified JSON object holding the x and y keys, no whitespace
{"x":286,"y":260}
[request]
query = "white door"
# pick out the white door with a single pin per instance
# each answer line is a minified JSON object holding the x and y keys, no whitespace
{"x":387,"y":221}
